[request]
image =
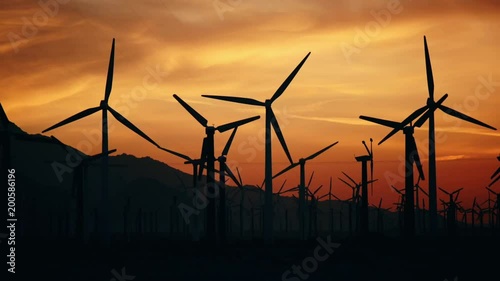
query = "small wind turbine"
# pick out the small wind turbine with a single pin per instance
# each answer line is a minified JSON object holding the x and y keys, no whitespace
{"x":411,"y":156}
{"x":497,"y":204}
{"x":380,"y":216}
{"x":302,"y":186}
{"x":452,"y":209}
{"x":104,"y":107}
{"x":209,"y":158}
{"x":313,"y":213}
{"x":364,"y":221}
{"x":270,"y":121}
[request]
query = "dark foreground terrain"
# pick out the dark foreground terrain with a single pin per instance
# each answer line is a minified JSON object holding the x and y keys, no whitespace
{"x":370,"y":259}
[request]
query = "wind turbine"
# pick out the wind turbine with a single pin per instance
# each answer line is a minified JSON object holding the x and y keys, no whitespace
{"x":209,"y":158}
{"x":411,"y":156}
{"x":302,"y":186}
{"x":104,"y":107}
{"x":452,"y":209}
{"x":419,"y":213}
{"x":497,"y":204}
{"x":270,"y":121}
{"x":430,"y":107}
{"x":380,"y":216}
{"x":313,"y":213}
{"x":364,"y":187}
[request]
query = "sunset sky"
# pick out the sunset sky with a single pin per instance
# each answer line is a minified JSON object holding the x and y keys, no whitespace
{"x":367,"y":58}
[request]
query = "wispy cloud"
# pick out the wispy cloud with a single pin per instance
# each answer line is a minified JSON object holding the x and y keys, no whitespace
{"x":338,"y":120}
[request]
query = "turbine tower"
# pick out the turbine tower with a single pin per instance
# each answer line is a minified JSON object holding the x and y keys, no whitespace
{"x":270,"y":121}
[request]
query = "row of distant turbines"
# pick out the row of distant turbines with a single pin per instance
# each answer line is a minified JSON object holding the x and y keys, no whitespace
{"x":207,"y":159}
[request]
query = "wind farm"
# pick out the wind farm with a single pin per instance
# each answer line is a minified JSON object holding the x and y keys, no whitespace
{"x":230,"y":199}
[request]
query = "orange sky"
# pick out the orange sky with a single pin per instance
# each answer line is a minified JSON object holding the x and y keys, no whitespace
{"x":54,"y":65}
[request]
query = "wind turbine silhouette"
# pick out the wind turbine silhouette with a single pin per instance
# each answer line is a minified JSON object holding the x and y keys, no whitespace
{"x":208,"y":157}
{"x":497,"y":204}
{"x":302,"y":186}
{"x":104,"y":107}
{"x":429,"y":115}
{"x":270,"y":121}
{"x":411,"y":156}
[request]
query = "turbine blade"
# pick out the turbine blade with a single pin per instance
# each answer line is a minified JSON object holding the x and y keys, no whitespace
{"x":426,"y":115}
{"x":321,"y":151}
{"x":278,"y":132}
{"x":416,"y":158}
{"x":397,"y":190}
{"x":281,"y":188}
{"x":225,"y":151}
{"x":185,"y":157}
{"x":109,"y":80}
{"x":352,"y":180}
{"x":191,"y":111}
{"x":236,"y":99}
{"x":321,"y":197}
{"x":131,"y":126}
{"x":286,"y":169}
{"x":462,"y":116}
{"x":230,"y":174}
{"x":4,"y":121}
{"x":405,"y":122}
{"x":310,"y":180}
{"x":317,"y":189}
{"x":428,"y":67}
{"x":490,"y":190}
{"x":289,"y":79}
{"x":203,"y":157}
{"x":495,"y":173}
{"x":239,"y":176}
{"x":494,"y":181}
{"x":423,"y":191}
{"x":444,"y":190}
{"x":346,"y":183}
{"x":75,"y":117}
{"x":235,"y":124}
{"x":382,"y":122}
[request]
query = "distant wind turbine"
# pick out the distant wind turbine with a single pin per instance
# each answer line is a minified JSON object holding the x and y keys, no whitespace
{"x":208,"y":157}
{"x":302,"y":186}
{"x":411,"y":156}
